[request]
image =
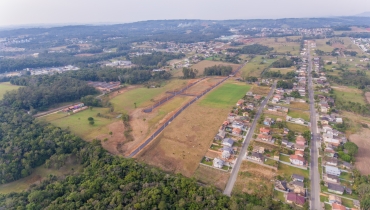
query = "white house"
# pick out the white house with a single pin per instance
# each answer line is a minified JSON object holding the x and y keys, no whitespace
{"x":218,"y":163}
{"x":332,"y":170}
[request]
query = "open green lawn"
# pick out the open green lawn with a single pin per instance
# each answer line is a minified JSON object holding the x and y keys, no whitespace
{"x":225,"y":96}
{"x":297,"y":128}
{"x":79,"y":124}
{"x":282,"y":70}
{"x":37,"y":175}
{"x":6,"y":86}
{"x":284,"y":158}
{"x":279,"y":195}
{"x":299,"y":114}
{"x":287,"y":171}
{"x":350,"y":94}
{"x":321,"y":45}
{"x":143,"y":96}
{"x":347,"y":203}
{"x":324,"y":198}
{"x":255,"y":66}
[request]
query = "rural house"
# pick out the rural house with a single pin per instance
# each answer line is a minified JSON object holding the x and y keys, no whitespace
{"x":295,"y":198}
{"x":297,"y":160}
{"x":335,"y":188}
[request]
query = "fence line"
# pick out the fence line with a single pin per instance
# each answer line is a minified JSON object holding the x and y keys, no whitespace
{"x":158,"y":131}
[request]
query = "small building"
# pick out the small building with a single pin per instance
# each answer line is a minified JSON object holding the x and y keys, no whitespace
{"x":295,"y":198}
{"x":264,"y":137}
{"x":296,"y":177}
{"x":332,"y":170}
{"x":257,"y":157}
{"x":297,"y":160}
{"x":300,"y":140}
{"x":335,"y":188}
{"x":331,"y":161}
{"x":227,"y":152}
{"x":299,"y":153}
{"x":265,"y":130}
{"x":218,"y":163}
{"x":282,"y":185}
{"x":336,"y":206}
{"x":299,"y":147}
{"x":228,"y":142}
{"x":335,"y":199}
{"x":237,"y":131}
{"x":331,"y":178}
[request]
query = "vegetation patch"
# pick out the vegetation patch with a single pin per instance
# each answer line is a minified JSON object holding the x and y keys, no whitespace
{"x":5,"y":87}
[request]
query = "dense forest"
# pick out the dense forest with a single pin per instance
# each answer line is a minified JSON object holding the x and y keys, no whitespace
{"x":278,"y":74}
{"x":189,"y":73}
{"x":218,"y":70}
{"x":349,"y":78}
{"x":256,"y":49}
{"x":42,"y":91}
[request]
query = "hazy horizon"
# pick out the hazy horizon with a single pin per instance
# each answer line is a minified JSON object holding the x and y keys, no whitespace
{"x":68,"y":12}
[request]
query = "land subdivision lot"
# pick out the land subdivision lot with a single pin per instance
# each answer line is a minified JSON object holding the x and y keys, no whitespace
{"x":6,"y":86}
{"x":207,"y":63}
{"x":299,"y":114}
{"x":212,"y":176}
{"x":298,"y":105}
{"x":297,"y":128}
{"x":349,"y":94}
{"x":260,"y":90}
{"x":203,"y":85}
{"x":321,"y":45}
{"x":287,"y":171}
{"x":254,"y":179}
{"x":281,"y":45}
{"x":362,"y":140}
{"x":255,"y":67}
{"x":282,"y":70}
{"x":182,"y":145}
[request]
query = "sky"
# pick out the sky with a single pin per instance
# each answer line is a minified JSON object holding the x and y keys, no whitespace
{"x":33,"y":12}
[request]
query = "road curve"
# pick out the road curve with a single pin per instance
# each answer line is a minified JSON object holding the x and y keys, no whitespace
{"x":234,"y":173}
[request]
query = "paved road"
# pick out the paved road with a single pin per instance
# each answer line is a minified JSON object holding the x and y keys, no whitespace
{"x":314,"y":175}
{"x":234,"y":173}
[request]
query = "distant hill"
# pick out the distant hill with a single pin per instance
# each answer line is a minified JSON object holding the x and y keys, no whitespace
{"x":364,"y":14}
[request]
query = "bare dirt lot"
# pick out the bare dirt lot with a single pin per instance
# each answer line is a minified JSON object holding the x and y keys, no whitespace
{"x":206,"y":63}
{"x":362,"y":140}
{"x":217,"y":179}
{"x":182,"y":145}
{"x":203,"y":85}
{"x":254,"y":179}
{"x":367,"y":96}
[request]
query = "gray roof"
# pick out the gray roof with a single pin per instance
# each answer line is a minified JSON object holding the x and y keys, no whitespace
{"x":335,"y":187}
{"x":228,"y":140}
{"x":229,"y":149}
{"x":258,"y":155}
{"x":296,"y":176}
{"x":299,"y":184}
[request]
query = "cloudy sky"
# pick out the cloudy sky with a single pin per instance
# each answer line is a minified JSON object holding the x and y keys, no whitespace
{"x":24,"y":12}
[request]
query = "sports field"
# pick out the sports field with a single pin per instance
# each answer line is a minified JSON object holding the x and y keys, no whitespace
{"x":6,"y":86}
{"x":226,"y":95}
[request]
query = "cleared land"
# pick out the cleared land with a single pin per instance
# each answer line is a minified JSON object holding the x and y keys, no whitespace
{"x":297,"y":128}
{"x":349,"y":94}
{"x":281,"y":45}
{"x":298,"y":105}
{"x":321,"y":45}
{"x":225,"y":95}
{"x":6,"y":86}
{"x":362,"y":140}
{"x":255,"y":67}
{"x":299,"y":114}
{"x":203,"y":85}
{"x":218,"y":178}
{"x":207,"y":63}
{"x":182,"y":145}
{"x":282,"y":70}
{"x":260,"y":90}
{"x":38,"y":175}
{"x":254,"y":179}
{"x":287,"y":171}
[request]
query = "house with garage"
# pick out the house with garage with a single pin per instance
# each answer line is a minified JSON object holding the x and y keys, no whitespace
{"x":331,"y":178}
{"x":297,"y":160}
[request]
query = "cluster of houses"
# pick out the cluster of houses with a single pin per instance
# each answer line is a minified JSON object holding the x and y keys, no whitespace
{"x":282,"y":95}
{"x":119,"y":63}
{"x":295,"y":190}
{"x":298,"y":158}
{"x":75,"y":108}
{"x":51,"y":71}
{"x":363,"y":43}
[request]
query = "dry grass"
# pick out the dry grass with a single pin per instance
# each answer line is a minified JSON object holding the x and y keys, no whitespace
{"x":217,"y":179}
{"x":203,"y":85}
{"x":260,"y":90}
{"x":362,"y":140}
{"x":282,"y":70}
{"x":181,"y":146}
{"x":254,"y":179}
{"x":298,"y":105}
{"x":206,"y":63}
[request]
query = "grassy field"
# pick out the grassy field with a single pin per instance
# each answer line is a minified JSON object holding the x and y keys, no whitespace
{"x":299,"y":114}
{"x":361,"y":139}
{"x":321,"y":45}
{"x":281,"y":45}
{"x":218,"y":179}
{"x":349,"y":94}
{"x":6,"y":86}
{"x":298,"y":105}
{"x":279,"y":195}
{"x":260,"y":90}
{"x":143,"y":96}
{"x":208,"y":63}
{"x":296,"y":127}
{"x":287,"y":171}
{"x":78,"y":123}
{"x":225,"y":96}
{"x":255,"y":66}
{"x":39,"y":174}
{"x":282,"y":70}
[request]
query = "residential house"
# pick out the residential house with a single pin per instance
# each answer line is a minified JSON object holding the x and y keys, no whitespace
{"x":300,"y":140}
{"x":257,"y":157}
{"x":298,"y":187}
{"x":284,"y":142}
{"x":286,"y":131}
{"x":228,"y":142}
{"x":257,"y":97}
{"x":297,"y":160}
{"x":240,"y":102}
{"x":347,"y":165}
{"x":290,"y":145}
{"x":327,"y":128}
{"x":338,"y":120}
{"x":265,"y":130}
{"x":332,"y":170}
{"x":329,"y":152}
{"x":249,"y":93}
{"x":237,"y":131}
{"x":356,"y":204}
{"x":348,"y":190}
{"x":296,"y":177}
{"x":221,"y":135}
{"x":331,"y":161}
{"x":331,"y":178}
{"x":299,"y":153}
{"x":336,"y":206}
{"x":268,"y":121}
{"x":299,"y":147}
{"x":264,"y":137}
{"x":335,"y":188}
{"x":295,"y":198}
{"x":227,"y":152}
{"x":335,"y":199}
{"x":218,"y":163}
